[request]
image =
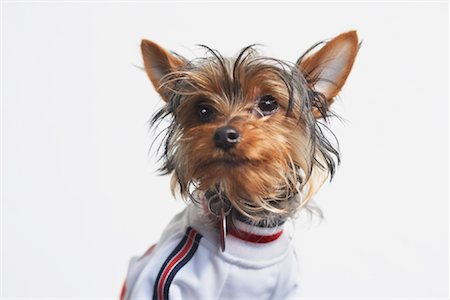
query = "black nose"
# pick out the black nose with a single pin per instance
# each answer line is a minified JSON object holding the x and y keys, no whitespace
{"x":226,"y":137}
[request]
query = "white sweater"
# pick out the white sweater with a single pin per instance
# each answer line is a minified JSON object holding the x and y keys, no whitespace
{"x":187,"y":263}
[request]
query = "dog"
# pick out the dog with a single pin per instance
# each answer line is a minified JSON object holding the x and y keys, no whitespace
{"x":247,"y":148}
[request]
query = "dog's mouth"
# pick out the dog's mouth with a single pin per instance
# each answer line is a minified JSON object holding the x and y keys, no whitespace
{"x":230,"y":162}
{"x":233,"y":162}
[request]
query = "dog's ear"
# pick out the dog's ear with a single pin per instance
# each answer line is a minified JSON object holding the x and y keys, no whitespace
{"x":327,"y":69}
{"x":158,"y":62}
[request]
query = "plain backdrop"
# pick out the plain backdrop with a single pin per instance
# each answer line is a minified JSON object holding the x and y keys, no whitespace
{"x":80,"y":194}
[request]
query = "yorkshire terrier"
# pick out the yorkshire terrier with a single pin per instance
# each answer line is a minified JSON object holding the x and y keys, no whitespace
{"x":245,"y":144}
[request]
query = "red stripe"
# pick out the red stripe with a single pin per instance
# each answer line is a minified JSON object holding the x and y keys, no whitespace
{"x":254,"y":238}
{"x":174,"y":261}
{"x":123,"y":291}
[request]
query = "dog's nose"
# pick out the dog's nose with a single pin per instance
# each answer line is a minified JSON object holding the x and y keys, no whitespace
{"x":226,"y":137}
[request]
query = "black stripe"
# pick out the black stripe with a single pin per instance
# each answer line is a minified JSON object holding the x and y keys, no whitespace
{"x":181,"y":264}
{"x":166,"y":262}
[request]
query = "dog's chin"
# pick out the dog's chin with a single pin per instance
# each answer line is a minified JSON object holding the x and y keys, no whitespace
{"x":241,"y":179}
{"x":228,"y":170}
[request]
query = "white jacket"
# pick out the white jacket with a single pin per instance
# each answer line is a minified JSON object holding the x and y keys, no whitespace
{"x":187,"y":263}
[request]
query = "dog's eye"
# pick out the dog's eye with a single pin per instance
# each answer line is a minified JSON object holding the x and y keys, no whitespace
{"x":205,"y":113}
{"x":268,"y":104}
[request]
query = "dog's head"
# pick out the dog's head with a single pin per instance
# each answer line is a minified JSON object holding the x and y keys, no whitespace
{"x":250,"y":126}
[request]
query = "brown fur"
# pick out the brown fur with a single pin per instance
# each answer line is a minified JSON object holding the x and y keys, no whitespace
{"x":277,"y":155}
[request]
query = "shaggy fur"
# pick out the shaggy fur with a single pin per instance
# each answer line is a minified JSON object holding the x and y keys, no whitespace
{"x":281,"y":159}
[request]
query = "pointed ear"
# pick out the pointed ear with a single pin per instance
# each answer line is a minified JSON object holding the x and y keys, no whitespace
{"x":327,"y":69}
{"x":158,"y":62}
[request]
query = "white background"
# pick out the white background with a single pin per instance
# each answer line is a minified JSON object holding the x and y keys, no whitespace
{"x":79,"y":191}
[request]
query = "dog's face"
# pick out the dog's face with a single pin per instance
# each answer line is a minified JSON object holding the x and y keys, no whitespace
{"x":248,"y":126}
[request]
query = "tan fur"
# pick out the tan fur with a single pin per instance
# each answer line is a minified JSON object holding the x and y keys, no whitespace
{"x":263,"y":165}
{"x":314,"y":64}
{"x":158,"y":63}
